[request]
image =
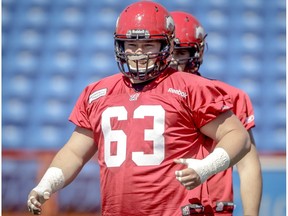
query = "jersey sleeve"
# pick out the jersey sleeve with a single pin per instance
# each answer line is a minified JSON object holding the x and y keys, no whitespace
{"x":79,"y":114}
{"x":243,"y":108}
{"x":250,"y":119}
{"x":208,"y":102}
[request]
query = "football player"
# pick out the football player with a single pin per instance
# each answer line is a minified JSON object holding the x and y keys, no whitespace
{"x":218,"y":190}
{"x":142,"y":121}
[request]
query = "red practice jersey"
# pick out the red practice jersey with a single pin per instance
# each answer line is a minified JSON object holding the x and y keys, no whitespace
{"x":140,"y":132}
{"x":219,"y":188}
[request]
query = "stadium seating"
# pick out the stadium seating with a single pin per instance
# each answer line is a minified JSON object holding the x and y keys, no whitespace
{"x":52,"y":49}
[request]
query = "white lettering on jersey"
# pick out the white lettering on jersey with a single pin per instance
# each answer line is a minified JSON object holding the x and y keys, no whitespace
{"x":155,"y":134}
{"x":119,"y":137}
{"x":178,"y":92}
{"x":97,"y":94}
{"x":114,"y":136}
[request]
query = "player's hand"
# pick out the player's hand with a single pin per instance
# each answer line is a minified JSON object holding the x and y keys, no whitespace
{"x":187,"y":177}
{"x":35,"y":200}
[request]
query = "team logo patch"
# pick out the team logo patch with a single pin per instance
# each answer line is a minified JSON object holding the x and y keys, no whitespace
{"x":97,"y":94}
{"x":134,"y":97}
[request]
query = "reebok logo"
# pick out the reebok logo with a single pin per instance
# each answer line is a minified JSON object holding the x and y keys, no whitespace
{"x":178,"y":92}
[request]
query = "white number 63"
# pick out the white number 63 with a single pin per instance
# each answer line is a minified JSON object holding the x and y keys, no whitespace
{"x":155,"y":135}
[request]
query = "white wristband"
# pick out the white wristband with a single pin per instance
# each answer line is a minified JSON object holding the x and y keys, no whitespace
{"x":52,"y":181}
{"x":215,"y":162}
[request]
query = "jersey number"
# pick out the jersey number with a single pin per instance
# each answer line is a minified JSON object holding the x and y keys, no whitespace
{"x":155,"y":135}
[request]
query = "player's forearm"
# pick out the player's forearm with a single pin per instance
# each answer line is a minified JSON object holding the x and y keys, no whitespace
{"x":249,"y":170}
{"x":250,"y":195}
{"x":63,"y":169}
{"x":75,"y":153}
{"x":69,"y":163}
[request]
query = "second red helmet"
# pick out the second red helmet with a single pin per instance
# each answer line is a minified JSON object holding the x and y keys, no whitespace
{"x":189,"y":33}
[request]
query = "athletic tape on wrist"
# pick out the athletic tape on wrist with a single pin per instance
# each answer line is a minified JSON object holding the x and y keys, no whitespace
{"x":52,"y":181}
{"x":215,"y":162}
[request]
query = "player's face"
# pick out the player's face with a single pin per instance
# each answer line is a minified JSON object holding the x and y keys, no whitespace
{"x":139,"y":51}
{"x":180,"y":59}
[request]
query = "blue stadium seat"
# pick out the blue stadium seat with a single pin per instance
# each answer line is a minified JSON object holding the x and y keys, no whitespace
{"x":273,"y":138}
{"x":61,"y":62}
{"x":52,"y":111}
{"x":101,"y":16}
{"x":8,"y":12}
{"x":99,"y":39}
{"x":177,"y":5}
{"x":49,"y":136}
{"x":217,"y":44}
{"x":246,"y":43}
{"x":65,"y":39}
{"x":69,"y":16}
{"x":100,"y":64}
{"x":249,"y":67}
{"x":217,"y":21}
{"x":55,"y":86}
{"x":15,"y":110}
{"x":17,"y":85}
{"x":13,"y":135}
{"x":214,"y":67}
{"x":31,"y":15}
{"x":75,"y":3}
{"x":23,"y":60}
{"x":33,"y":39}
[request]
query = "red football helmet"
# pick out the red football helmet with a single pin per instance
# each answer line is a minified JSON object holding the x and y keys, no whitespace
{"x":189,"y":34}
{"x":145,"y":21}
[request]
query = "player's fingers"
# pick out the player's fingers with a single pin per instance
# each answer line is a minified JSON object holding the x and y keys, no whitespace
{"x":34,"y":210}
{"x":185,"y":180}
{"x":184,"y":172}
{"x":34,"y":201}
{"x":184,"y":161}
{"x":189,"y":181}
{"x":180,"y":161}
{"x":33,"y":205}
{"x":190,"y":185}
